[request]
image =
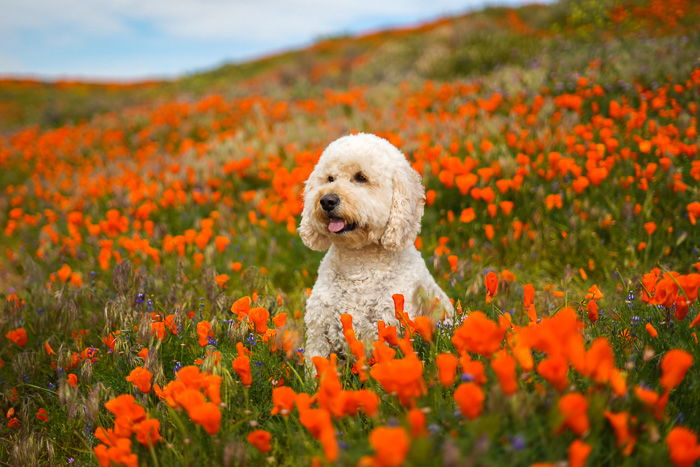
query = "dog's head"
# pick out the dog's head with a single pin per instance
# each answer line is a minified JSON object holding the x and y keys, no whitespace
{"x":362,"y":191}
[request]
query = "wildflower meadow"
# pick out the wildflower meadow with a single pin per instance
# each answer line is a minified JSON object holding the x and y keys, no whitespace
{"x":153,"y":285}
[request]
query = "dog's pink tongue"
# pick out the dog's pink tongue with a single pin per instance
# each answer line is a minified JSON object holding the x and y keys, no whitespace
{"x":336,"y":225}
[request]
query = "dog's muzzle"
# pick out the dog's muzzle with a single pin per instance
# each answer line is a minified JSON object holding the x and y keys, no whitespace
{"x":336,"y":224}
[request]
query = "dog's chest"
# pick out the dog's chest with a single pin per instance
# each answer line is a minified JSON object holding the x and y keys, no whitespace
{"x":365,"y":295}
{"x":362,"y":287}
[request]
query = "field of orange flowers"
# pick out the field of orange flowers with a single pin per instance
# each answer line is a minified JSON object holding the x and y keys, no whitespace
{"x":153,"y":284}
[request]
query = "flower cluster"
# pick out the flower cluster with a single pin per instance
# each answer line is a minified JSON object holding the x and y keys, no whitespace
{"x":671,"y":290}
{"x":131,"y":419}
{"x":190,"y":390}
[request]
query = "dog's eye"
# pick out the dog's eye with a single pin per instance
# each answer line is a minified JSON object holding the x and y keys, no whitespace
{"x":331,"y":178}
{"x":360,"y":177}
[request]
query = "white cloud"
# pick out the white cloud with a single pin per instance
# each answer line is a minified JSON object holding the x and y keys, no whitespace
{"x":249,"y":20}
{"x":70,"y":15}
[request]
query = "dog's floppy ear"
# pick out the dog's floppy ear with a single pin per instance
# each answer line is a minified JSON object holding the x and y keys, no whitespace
{"x":309,"y":228}
{"x":406,"y":209}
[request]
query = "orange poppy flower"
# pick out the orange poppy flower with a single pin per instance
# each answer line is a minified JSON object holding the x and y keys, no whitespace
{"x":348,"y":332}
{"x":416,"y":420}
{"x":203,"y":333}
{"x":600,"y":361}
{"x":221,"y":280}
{"x":508,"y":276}
{"x":578,"y":453}
{"x":382,"y":352}
{"x":649,"y":281}
{"x":401,"y":315}
{"x":683,"y":447}
{"x":329,"y":444}
{"x":110,"y":341}
{"x":221,"y":242}
{"x":241,"y":365}
{"x":279,"y":320}
{"x":260,"y":439}
{"x":666,"y":291}
{"x":650,"y":228}
{"x":473,"y":368}
{"x":654,"y":402}
{"x":147,"y":431}
{"x":467,"y":215}
{"x":554,"y":369}
{"x":207,"y":415}
{"x":330,"y":388}
{"x":141,"y":378}
{"x":119,"y":454}
{"x":690,"y":283}
{"x":574,"y":408}
{"x":390,"y":445}
{"x":127,"y":413}
{"x":693,"y":211}
{"x":424,"y":326}
{"x":18,"y":336}
{"x":403,"y":377}
{"x":158,"y":328}
{"x":452,"y":260}
{"x":107,"y":436}
{"x":259,"y":317}
{"x":357,"y":348}
{"x":674,"y":365}
{"x":695,"y":321}
{"x":503,"y":365}
{"x":651,"y":330}
{"x":523,"y":355}
{"x":241,"y":307}
{"x":594,"y":293}
{"x":620,"y":423}
{"x":470,"y":399}
{"x":478,"y":334}
{"x":353,"y":401}
{"x":529,"y":302}
{"x":491,"y":283}
{"x":72,"y":380}
{"x":64,"y":273}
{"x":618,"y":383}
{"x":559,"y":335}
{"x":387,"y":333}
{"x":447,"y":368}
{"x":318,"y":422}
{"x":592,"y":311}
{"x":282,"y":400}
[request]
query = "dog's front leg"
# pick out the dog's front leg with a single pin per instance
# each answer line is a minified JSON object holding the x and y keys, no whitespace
{"x":316,"y":337}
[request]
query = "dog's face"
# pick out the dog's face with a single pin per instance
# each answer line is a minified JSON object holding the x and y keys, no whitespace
{"x":362,"y":192}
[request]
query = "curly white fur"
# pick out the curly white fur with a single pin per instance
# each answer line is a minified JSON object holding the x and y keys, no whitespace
{"x":380,"y":206}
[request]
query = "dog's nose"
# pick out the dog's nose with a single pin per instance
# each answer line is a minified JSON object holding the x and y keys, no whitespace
{"x":329,"y":202}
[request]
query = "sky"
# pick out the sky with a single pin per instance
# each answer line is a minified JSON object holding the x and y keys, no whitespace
{"x":142,"y":39}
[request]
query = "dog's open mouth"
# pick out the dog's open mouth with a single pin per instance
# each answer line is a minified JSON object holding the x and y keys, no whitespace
{"x":338,"y":225}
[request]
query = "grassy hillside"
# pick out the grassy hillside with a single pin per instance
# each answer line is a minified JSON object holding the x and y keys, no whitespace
{"x":153,"y":284}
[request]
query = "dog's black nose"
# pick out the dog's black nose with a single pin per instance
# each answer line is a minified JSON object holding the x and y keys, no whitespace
{"x":329,"y":202}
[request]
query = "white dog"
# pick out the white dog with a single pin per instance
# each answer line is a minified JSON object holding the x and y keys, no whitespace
{"x":365,"y":202}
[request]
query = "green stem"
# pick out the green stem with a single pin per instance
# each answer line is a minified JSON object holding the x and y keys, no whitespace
{"x":296,"y":373}
{"x":39,"y":387}
{"x":152,"y":451}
